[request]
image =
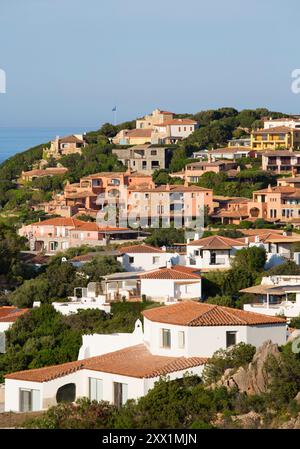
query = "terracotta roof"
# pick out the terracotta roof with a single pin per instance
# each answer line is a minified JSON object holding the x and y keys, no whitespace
{"x":198,"y":165}
{"x":279,"y":153}
{"x":278,"y":189}
{"x":275,"y":129}
{"x":77,"y":224}
{"x":134,"y":249}
{"x":282,"y":119}
{"x":216,"y":242}
{"x":175,"y":272}
{"x":70,"y":139}
{"x":135,"y":361}
{"x":59,"y":221}
{"x":272,"y":237}
{"x":139,"y":133}
{"x":9,"y":314}
{"x":45,"y":172}
{"x":177,"y":121}
{"x":191,"y":313}
{"x":170,"y":188}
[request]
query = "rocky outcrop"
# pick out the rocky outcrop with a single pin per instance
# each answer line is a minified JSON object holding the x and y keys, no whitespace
{"x":251,"y":420}
{"x":252,"y":379}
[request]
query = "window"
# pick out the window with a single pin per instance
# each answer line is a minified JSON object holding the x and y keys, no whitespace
{"x":179,"y":128}
{"x":155,"y":259}
{"x":95,"y":389}
{"x":144,"y":165}
{"x":53,"y":246}
{"x":181,"y":340}
{"x":29,"y":400}
{"x":165,"y":338}
{"x":131,"y":259}
{"x":153,"y":152}
{"x":120,"y":394}
{"x":230,"y":338}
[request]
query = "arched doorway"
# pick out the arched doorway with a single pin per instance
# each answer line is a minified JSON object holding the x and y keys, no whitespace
{"x":66,"y":393}
{"x":254,"y":212}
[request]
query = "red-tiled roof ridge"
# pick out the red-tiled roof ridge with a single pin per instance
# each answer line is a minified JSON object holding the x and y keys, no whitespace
{"x":174,"y":272}
{"x":133,"y":361}
{"x":9,"y":314}
{"x":192,"y":313}
{"x":140,"y":248}
{"x":225,"y":242}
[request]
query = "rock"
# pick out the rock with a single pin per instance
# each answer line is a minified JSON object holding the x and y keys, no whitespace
{"x":252,"y":379}
{"x":251,"y":420}
{"x":293,"y":423}
{"x":297,"y":398}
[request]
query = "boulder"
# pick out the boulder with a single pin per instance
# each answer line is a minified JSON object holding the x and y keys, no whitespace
{"x":251,"y":379}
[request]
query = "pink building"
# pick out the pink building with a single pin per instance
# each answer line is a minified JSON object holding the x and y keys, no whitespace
{"x":59,"y":234}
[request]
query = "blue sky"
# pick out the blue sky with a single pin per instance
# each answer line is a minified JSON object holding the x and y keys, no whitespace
{"x":68,"y":62}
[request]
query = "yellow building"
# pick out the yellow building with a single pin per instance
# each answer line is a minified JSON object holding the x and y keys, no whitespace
{"x":275,"y":138}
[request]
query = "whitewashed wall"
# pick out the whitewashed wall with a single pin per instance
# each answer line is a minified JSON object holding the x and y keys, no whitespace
{"x":145,"y":262}
{"x":203,"y":341}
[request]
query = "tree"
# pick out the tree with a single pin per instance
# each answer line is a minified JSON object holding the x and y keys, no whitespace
{"x":100,"y":266}
{"x":57,"y":283}
{"x":285,"y":377}
{"x":108,"y":130}
{"x":161,"y":177}
{"x":251,"y":259}
{"x":82,"y":415}
{"x":287,"y":268}
{"x":224,"y":300}
{"x":165,"y":237}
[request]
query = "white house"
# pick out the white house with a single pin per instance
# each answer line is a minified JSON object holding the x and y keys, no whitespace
{"x":90,"y":297}
{"x":166,"y":284}
{"x":277,"y":295}
{"x":145,"y":257}
{"x":8,"y":316}
{"x":212,"y":253}
{"x":171,"y":284}
{"x":177,"y":339}
{"x":170,"y":131}
{"x":279,"y":247}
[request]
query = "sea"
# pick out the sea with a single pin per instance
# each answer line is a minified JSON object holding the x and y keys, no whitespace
{"x":14,"y":140}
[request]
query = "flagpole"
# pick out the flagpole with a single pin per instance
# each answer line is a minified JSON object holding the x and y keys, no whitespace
{"x":114,"y":110}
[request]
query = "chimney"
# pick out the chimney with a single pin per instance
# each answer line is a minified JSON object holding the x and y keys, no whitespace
{"x":257,"y":239}
{"x":169,"y":263}
{"x":196,"y":236}
{"x":247,"y":240}
{"x":164,"y":248}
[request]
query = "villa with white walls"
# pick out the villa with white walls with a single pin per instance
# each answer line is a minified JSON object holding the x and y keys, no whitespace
{"x":212,"y":253}
{"x":145,"y":257}
{"x":176,"y":339}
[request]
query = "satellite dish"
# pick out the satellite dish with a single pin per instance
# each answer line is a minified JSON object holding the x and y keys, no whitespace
{"x":64,"y":259}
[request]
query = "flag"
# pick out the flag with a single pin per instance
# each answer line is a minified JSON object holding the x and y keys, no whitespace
{"x":114,"y":109}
